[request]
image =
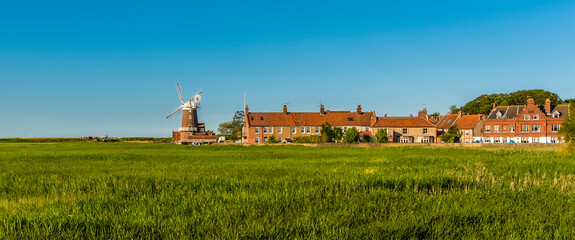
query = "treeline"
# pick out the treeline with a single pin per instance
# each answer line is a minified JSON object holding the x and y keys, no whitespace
{"x":38,"y":140}
{"x":484,"y":103}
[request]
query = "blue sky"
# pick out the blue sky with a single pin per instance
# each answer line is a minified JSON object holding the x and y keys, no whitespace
{"x":74,"y":68}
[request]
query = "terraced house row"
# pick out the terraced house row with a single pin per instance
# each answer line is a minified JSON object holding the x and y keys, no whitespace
{"x":505,"y":124}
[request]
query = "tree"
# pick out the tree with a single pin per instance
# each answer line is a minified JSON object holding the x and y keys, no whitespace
{"x":351,"y":135}
{"x":326,"y":132}
{"x":381,"y":136}
{"x":233,"y":129}
{"x":338,"y":133}
{"x":435,"y":115}
{"x":568,"y":129}
{"x":484,"y":103}
{"x":365,"y":138}
{"x":452,"y":135}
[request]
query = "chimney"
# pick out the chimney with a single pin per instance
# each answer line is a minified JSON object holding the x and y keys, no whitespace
{"x":359,"y":109}
{"x":321,"y":110}
{"x":246,"y":110}
{"x":530,"y":102}
{"x":410,"y":115}
{"x":548,"y":107}
{"x":423,"y":113}
{"x":285,"y":109}
{"x":459,"y":113}
{"x":385,"y":115}
{"x":494,"y":105}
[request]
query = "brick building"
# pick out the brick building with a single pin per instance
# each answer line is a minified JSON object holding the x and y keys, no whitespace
{"x":471,"y":127}
{"x":259,"y":126}
{"x":525,"y":123}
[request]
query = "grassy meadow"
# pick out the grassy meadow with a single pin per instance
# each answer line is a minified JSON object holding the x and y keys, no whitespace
{"x":166,"y":191}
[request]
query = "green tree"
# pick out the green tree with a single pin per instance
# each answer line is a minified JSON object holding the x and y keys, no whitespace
{"x":351,"y":135}
{"x":365,"y":138}
{"x":381,"y":136}
{"x":326,"y":132}
{"x":233,"y":129}
{"x":452,"y":135}
{"x":484,"y":103}
{"x":568,"y":125}
{"x":337,"y":133}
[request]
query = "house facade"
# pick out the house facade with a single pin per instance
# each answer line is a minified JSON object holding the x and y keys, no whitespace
{"x":407,"y":129}
{"x":471,"y":127}
{"x":285,"y":125}
{"x":528,"y":123}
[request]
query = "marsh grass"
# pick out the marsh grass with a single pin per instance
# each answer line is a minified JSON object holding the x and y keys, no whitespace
{"x":158,"y":191}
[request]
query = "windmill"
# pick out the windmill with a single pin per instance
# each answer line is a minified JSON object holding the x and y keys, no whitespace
{"x":189,"y":111}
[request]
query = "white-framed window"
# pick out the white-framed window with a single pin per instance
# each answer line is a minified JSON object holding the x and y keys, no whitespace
{"x":425,"y":131}
{"x":524,"y":140}
{"x":279,"y":139}
{"x":536,"y":128}
{"x":265,"y":139}
{"x":279,"y":130}
{"x":556,"y":114}
{"x":555,"y":127}
{"x":271,"y":130}
{"x":404,"y":131}
{"x":535,"y":117}
{"x":308,"y":130}
{"x":257,"y":140}
{"x":524,"y":128}
{"x":496,"y":128}
{"x":190,"y":117}
{"x":512,"y":128}
{"x":317,"y":129}
{"x":487,"y":140}
{"x":525,"y":117}
{"x":265,"y":130}
{"x":366,"y":129}
{"x":535,"y":140}
{"x":487,"y":128}
{"x":466,"y":133}
{"x":302,"y":130}
{"x":293,"y":130}
{"x":257,"y":130}
{"x":499,"y":114}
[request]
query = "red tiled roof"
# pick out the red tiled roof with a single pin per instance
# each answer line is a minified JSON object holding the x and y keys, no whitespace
{"x":468,"y":121}
{"x":333,"y":118}
{"x":446,"y":121}
{"x":402,"y":122}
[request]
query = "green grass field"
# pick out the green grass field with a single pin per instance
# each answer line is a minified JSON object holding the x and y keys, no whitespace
{"x":159,"y":191}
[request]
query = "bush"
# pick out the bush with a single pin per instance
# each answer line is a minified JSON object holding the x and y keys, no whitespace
{"x":272,"y":139}
{"x":351,"y":135}
{"x":381,"y":136}
{"x":309,"y":139}
{"x":366,"y":139}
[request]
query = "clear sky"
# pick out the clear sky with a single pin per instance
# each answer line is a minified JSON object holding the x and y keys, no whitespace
{"x":74,"y":68}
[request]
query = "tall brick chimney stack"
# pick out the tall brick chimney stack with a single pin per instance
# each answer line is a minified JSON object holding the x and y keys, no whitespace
{"x":548,"y":107}
{"x":494,"y":105}
{"x":285,"y":109}
{"x":359,"y":109}
{"x":460,"y":113}
{"x":321,"y":109}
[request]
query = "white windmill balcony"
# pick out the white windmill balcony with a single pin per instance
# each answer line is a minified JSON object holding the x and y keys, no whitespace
{"x":188,"y":129}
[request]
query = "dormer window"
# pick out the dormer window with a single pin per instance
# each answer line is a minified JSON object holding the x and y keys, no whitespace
{"x":535,"y":117}
{"x":261,"y":118}
{"x":556,"y":114}
{"x":525,"y":117}
{"x":350,"y":119}
{"x":499,"y":114}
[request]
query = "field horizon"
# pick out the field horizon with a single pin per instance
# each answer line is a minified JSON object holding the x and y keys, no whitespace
{"x":153,"y":190}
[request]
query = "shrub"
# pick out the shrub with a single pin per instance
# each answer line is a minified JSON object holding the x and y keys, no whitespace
{"x":351,"y":135}
{"x":309,"y":139}
{"x":381,"y":136}
{"x":272,"y":139}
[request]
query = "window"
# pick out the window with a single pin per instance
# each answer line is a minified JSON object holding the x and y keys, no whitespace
{"x":512,"y":128}
{"x":252,"y":118}
{"x":257,"y":130}
{"x":366,"y":129}
{"x":404,"y":131}
{"x":265,"y":130}
{"x":524,"y":140}
{"x":536,"y":128}
{"x":487,"y":140}
{"x":190,"y":117}
{"x":466,"y":133}
{"x":279,"y":130}
{"x":487,"y":128}
{"x":499,"y":114}
{"x":535,"y":117}
{"x":466,"y":140}
{"x":496,"y":128}
{"x":261,"y":118}
{"x":257,"y":140}
{"x":555,"y":127}
{"x":524,"y":128}
{"x":293,"y":130}
{"x":266,"y":139}
{"x":556,"y":114}
{"x":344,"y":129}
{"x":525,"y":117}
{"x":350,"y":119}
{"x":302,"y":130}
{"x":271,"y":129}
{"x":425,"y":131}
{"x":316,"y":129}
{"x":279,"y":139}
{"x":308,"y":130}
{"x":535,"y":140}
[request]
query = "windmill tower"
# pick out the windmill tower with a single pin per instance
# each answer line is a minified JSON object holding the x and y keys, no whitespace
{"x":189,"y":111}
